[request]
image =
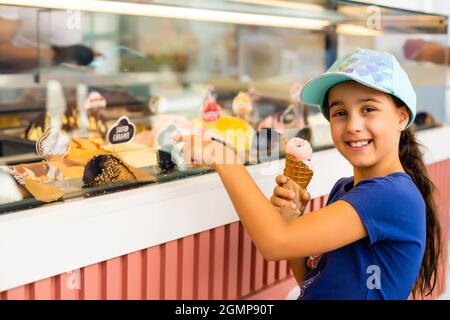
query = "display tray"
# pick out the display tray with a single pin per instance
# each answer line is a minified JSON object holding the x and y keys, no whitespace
{"x":12,"y":142}
{"x":16,"y":135}
{"x":13,"y":108}
{"x":73,"y":188}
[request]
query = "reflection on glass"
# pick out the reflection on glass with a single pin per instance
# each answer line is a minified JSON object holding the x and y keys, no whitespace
{"x":37,"y":37}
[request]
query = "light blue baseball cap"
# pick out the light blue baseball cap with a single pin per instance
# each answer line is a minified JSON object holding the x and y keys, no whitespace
{"x":375,"y":69}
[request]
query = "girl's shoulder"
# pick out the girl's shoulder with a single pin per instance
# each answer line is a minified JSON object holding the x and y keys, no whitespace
{"x":397,"y":181}
{"x":397,"y":186}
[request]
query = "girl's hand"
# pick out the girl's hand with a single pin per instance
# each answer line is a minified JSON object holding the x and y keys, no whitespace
{"x":201,"y":149}
{"x":290,"y":198}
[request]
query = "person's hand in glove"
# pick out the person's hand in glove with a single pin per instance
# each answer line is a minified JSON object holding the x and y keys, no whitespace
{"x":78,"y":54}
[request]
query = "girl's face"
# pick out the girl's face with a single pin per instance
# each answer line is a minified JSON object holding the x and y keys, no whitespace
{"x":365,"y":124}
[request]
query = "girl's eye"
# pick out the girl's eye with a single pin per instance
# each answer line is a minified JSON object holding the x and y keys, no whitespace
{"x":339,"y":114}
{"x":368,"y":109}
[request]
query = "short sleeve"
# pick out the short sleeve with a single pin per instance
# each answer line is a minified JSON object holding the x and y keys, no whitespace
{"x":391,"y":208}
{"x":9,"y":13}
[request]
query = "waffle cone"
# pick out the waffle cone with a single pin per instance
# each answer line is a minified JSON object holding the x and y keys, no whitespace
{"x":297,"y":171}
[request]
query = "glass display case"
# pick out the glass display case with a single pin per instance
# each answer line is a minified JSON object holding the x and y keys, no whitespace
{"x":92,"y":92}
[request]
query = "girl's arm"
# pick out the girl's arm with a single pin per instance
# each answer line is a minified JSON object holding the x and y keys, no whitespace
{"x":299,"y":269}
{"x":282,"y":198}
{"x":321,"y":231}
{"x":324,"y":230}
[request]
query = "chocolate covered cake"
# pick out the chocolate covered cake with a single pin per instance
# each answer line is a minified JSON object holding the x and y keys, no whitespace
{"x":105,"y":169}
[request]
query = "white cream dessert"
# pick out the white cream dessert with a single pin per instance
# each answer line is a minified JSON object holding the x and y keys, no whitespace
{"x":9,"y":192}
{"x":53,"y":143}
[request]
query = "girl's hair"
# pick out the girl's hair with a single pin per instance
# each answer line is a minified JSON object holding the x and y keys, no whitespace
{"x":411,"y":160}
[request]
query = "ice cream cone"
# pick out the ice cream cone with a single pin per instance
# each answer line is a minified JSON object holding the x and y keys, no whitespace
{"x":297,"y":171}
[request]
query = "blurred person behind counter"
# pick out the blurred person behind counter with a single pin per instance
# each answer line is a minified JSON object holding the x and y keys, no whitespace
{"x":426,"y":51}
{"x":59,"y":40}
{"x":423,"y":50}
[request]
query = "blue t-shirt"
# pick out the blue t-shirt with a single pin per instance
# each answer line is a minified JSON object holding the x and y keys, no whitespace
{"x":386,"y":263}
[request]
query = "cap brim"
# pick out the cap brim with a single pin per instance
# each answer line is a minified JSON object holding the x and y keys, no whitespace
{"x":314,"y":90}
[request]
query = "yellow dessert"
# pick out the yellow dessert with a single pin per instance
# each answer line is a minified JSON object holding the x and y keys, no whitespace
{"x":38,"y":126}
{"x":134,"y":154}
{"x":242,"y":105}
{"x":234,"y":131}
{"x":82,"y":149}
{"x":8,"y":121}
{"x":70,"y":169}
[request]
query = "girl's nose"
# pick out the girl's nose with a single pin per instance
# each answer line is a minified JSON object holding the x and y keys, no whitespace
{"x":355,"y":123}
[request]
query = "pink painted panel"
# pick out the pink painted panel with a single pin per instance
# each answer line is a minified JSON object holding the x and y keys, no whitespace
{"x":270,"y":276}
{"x":277,"y":270}
{"x":19,"y":293}
{"x":44,"y":289}
{"x":288,"y":270}
{"x":231,"y":263}
{"x":246,"y":262}
{"x":203,"y":265}
{"x":114,"y":279}
{"x":196,"y":263}
{"x":282,"y":269}
{"x":265,"y":278}
{"x":212,"y":248}
{"x":217,"y":279}
{"x":315,"y":204}
{"x":187,"y":273}
{"x":171,"y":273}
{"x":179,"y":268}
{"x":92,"y":282}
{"x":133,"y":274}
{"x":154,"y":272}
{"x":240,"y":260}
{"x":323,"y":201}
{"x":258,"y":273}
{"x":440,"y":174}
{"x":68,"y":285}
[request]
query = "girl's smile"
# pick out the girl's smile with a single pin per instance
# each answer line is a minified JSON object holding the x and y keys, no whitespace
{"x":359,"y":145}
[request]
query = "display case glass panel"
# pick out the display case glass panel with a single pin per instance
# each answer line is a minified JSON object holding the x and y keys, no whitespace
{"x":170,"y":67}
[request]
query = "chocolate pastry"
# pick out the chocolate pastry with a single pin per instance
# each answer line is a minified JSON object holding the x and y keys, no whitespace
{"x":105,"y":169}
{"x":165,"y":162}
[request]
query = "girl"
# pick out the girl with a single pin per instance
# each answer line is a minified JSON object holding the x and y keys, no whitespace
{"x":378,"y":237}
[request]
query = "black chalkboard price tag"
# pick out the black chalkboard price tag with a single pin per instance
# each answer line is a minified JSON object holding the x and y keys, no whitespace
{"x":122,"y":131}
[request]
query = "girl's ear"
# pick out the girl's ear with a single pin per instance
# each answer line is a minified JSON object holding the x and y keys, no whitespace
{"x":403,"y":113}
